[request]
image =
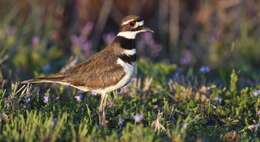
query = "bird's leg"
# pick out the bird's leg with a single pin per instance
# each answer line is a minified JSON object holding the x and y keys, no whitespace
{"x":102,"y":113}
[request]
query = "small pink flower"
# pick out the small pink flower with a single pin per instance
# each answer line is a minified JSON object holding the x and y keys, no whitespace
{"x":186,"y":57}
{"x":258,"y":112}
{"x":78,"y":98}
{"x":256,"y":93}
{"x":138,"y":117}
{"x":109,"y":37}
{"x":86,"y":30}
{"x":35,"y":40}
{"x":86,"y":46}
{"x":124,"y":89}
{"x":147,"y":37}
{"x":46,"y":99}
{"x":77,"y":40}
{"x":214,"y":36}
{"x":149,"y":42}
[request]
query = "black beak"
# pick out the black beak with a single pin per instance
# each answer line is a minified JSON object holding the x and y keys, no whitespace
{"x":146,"y":29}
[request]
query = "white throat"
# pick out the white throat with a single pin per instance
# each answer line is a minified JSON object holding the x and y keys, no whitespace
{"x":128,"y":34}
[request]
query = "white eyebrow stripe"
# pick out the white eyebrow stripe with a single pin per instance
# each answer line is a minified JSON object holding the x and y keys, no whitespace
{"x":126,"y":22}
{"x":141,"y":23}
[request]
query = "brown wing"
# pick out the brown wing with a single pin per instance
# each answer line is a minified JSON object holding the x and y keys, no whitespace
{"x":99,"y":71}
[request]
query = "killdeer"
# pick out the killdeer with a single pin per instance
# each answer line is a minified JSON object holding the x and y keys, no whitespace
{"x":110,"y":69}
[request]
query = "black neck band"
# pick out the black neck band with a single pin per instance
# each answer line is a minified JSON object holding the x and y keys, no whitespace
{"x":125,"y":42}
{"x":128,"y":58}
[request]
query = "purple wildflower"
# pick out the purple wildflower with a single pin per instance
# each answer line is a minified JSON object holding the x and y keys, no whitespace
{"x":28,"y":100}
{"x":110,"y":103}
{"x":86,"y":30}
{"x":214,"y":36}
{"x":204,"y":69}
{"x":138,"y":117}
{"x":125,"y":89}
{"x":78,"y":98}
{"x":256,"y":93}
{"x":254,"y":127}
{"x":46,"y":99}
{"x":156,"y":47}
{"x":147,"y":37}
{"x":77,"y":40}
{"x":35,"y":40}
{"x":94,"y":93}
{"x":186,"y":57}
{"x":121,"y":122}
{"x":81,"y":42}
{"x":86,"y":46}
{"x":109,"y":37}
{"x":258,"y":112}
{"x":147,"y":40}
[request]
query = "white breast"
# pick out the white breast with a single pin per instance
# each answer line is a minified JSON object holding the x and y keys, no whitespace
{"x":129,"y":72}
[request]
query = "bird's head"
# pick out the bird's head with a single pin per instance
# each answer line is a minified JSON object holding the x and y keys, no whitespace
{"x":131,"y":26}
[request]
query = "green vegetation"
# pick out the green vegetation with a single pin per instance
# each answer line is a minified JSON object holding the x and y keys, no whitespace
{"x":155,"y":107}
{"x":207,"y":90}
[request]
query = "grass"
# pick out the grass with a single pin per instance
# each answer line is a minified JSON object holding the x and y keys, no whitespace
{"x":170,"y":111}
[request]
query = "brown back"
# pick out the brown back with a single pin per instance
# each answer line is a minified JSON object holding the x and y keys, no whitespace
{"x":100,"y":71}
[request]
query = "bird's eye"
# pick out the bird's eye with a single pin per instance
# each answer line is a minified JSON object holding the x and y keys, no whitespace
{"x":132,"y":23}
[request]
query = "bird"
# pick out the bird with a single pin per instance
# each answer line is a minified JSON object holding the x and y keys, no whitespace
{"x":109,"y":69}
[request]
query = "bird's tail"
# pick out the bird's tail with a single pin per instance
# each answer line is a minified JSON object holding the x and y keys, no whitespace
{"x":48,"y":79}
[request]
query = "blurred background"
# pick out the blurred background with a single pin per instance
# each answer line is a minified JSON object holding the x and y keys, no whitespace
{"x":41,"y":36}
